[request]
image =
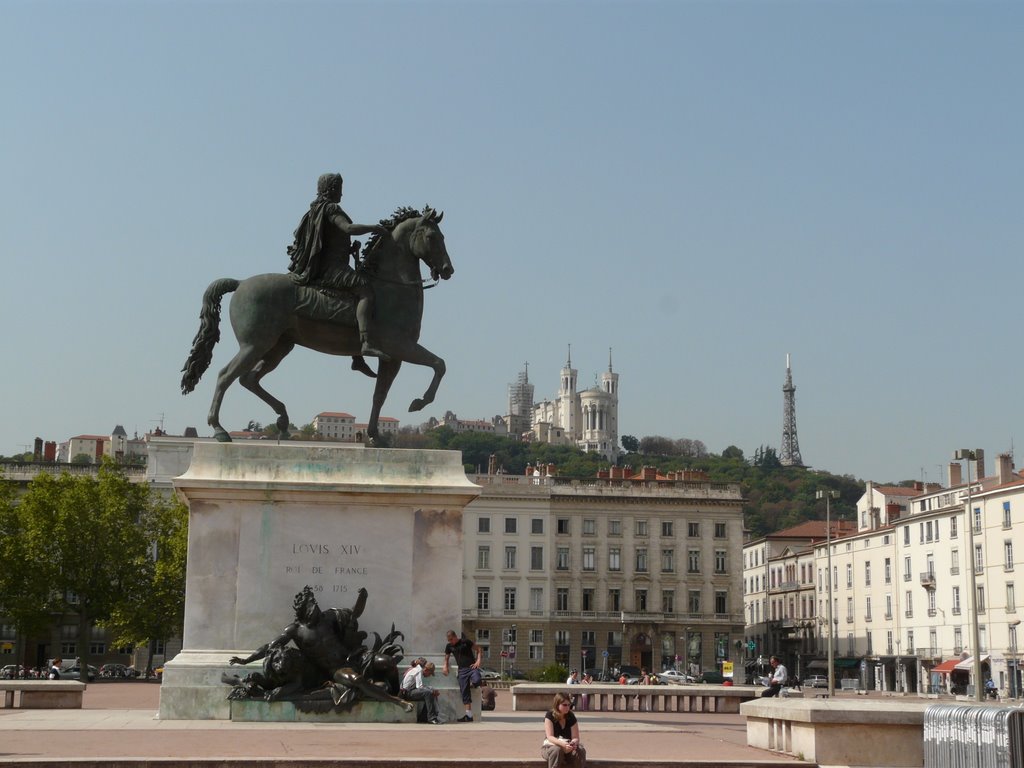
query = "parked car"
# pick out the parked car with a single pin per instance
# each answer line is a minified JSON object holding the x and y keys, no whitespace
{"x":815,"y":681}
{"x":12,"y":671}
{"x":75,"y":673}
{"x":489,"y":674}
{"x":672,"y":676}
{"x":711,"y":677}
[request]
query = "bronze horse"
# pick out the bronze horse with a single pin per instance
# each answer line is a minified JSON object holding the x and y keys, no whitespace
{"x":268,"y":322}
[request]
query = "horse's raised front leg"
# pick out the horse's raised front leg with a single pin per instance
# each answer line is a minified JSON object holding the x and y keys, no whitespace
{"x":419,"y":355}
{"x":240,"y":364}
{"x":251,"y":381}
{"x":387,"y":370}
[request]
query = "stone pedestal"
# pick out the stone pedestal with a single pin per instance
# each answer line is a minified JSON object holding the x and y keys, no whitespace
{"x":267,"y":519}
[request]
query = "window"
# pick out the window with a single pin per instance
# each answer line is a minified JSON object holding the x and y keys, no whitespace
{"x":906,"y":568}
{"x":906,"y":535}
{"x":954,"y":561}
{"x":537,"y":651}
{"x":666,"y":528}
{"x":1007,"y":519}
{"x":867,"y":574}
{"x":640,"y":528}
{"x":68,"y":649}
{"x":981,"y":598}
{"x":588,"y":600}
{"x":588,"y":559}
{"x":510,"y":598}
{"x":641,"y":559}
{"x":536,"y":558}
{"x":537,"y":525}
{"x":536,"y":635}
{"x":693,"y":530}
{"x":693,"y":561}
{"x":888,"y":570}
{"x":668,"y":561}
{"x":510,"y":557}
{"x":640,"y":600}
{"x":483,"y":525}
{"x":510,"y":525}
{"x":614,"y":559}
{"x":589,"y":528}
{"x":979,"y":559}
{"x":849,"y":574}
{"x":956,"y":601}
{"x":536,"y":599}
{"x":614,"y":527}
{"x":587,"y":637}
{"x":668,"y":601}
{"x":562,"y":599}
{"x":977,"y":519}
{"x":96,"y":648}
{"x":910,"y":604}
{"x":614,"y":600}
{"x":888,"y":607}
{"x":1008,"y":555}
{"x":562,"y":526}
{"x":952,"y":528}
{"x":562,"y":563}
{"x":693,"y":600}
{"x":483,"y":557}
{"x":561,"y":637}
{"x":720,"y":530}
{"x":721,"y":601}
{"x":720,"y":561}
{"x":1011,"y":598}
{"x":483,"y":598}
{"x":871,"y":647}
{"x":849,"y":610}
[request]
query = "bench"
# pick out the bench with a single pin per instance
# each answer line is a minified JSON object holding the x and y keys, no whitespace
{"x":611,"y":697}
{"x":43,"y":694}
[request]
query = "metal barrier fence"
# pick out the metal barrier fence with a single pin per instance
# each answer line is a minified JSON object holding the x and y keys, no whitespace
{"x":962,"y":736}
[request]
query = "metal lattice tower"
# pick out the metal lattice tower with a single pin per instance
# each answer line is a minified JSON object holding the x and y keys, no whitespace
{"x":790,"y":456}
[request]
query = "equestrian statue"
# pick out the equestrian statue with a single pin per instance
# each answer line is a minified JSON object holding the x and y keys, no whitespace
{"x":370,"y":308}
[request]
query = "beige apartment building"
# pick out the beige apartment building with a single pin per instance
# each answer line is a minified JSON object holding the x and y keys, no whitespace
{"x":902,"y":584}
{"x":621,"y":569}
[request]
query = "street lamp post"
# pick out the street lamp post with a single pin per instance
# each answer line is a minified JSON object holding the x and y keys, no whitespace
{"x":828,"y":496}
{"x":968,"y":456}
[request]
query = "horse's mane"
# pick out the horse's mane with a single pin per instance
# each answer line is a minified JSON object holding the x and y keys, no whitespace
{"x":402,"y":213}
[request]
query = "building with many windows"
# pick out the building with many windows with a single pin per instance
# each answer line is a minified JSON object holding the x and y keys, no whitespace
{"x":637,"y":569}
{"x":906,"y":585}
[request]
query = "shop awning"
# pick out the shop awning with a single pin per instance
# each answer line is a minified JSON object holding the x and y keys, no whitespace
{"x":946,"y":667}
{"x":968,"y":663}
{"x":847,"y":663}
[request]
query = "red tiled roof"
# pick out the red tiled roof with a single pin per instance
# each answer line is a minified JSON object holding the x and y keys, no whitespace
{"x":90,"y":437}
{"x":892,"y":490}
{"x":336,"y":414}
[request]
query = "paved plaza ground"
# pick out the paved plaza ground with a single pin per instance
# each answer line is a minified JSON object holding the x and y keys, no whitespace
{"x":119,"y":721}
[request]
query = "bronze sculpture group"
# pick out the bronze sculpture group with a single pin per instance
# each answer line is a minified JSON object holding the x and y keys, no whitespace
{"x":320,"y":662}
{"x":373,"y":308}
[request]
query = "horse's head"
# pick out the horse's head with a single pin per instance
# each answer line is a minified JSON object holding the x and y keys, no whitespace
{"x":427,"y":244}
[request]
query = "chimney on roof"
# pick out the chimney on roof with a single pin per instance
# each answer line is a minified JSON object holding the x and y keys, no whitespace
{"x":650,"y":473}
{"x":918,"y":485}
{"x":1004,"y":468}
{"x":892,"y":512}
{"x":955,"y":474}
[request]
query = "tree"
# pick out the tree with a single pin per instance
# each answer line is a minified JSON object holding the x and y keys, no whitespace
{"x":732,"y":452}
{"x":81,"y":458}
{"x":630,"y":444}
{"x":87,"y":542}
{"x":656,"y":445}
{"x":156,"y":609}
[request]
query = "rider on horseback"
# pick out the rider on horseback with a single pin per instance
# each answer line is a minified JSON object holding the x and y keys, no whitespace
{"x":320,"y":256}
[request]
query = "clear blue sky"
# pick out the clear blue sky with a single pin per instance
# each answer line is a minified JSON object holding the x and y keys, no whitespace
{"x":703,"y":187}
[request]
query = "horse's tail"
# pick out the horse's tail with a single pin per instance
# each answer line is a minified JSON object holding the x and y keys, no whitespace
{"x":208,"y":335}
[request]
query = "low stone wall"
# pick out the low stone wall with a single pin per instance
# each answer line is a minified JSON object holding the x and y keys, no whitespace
{"x":636,"y":698}
{"x":43,"y":694}
{"x":840,"y":732}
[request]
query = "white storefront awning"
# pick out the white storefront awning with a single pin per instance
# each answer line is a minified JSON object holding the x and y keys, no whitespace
{"x":968,"y":663}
